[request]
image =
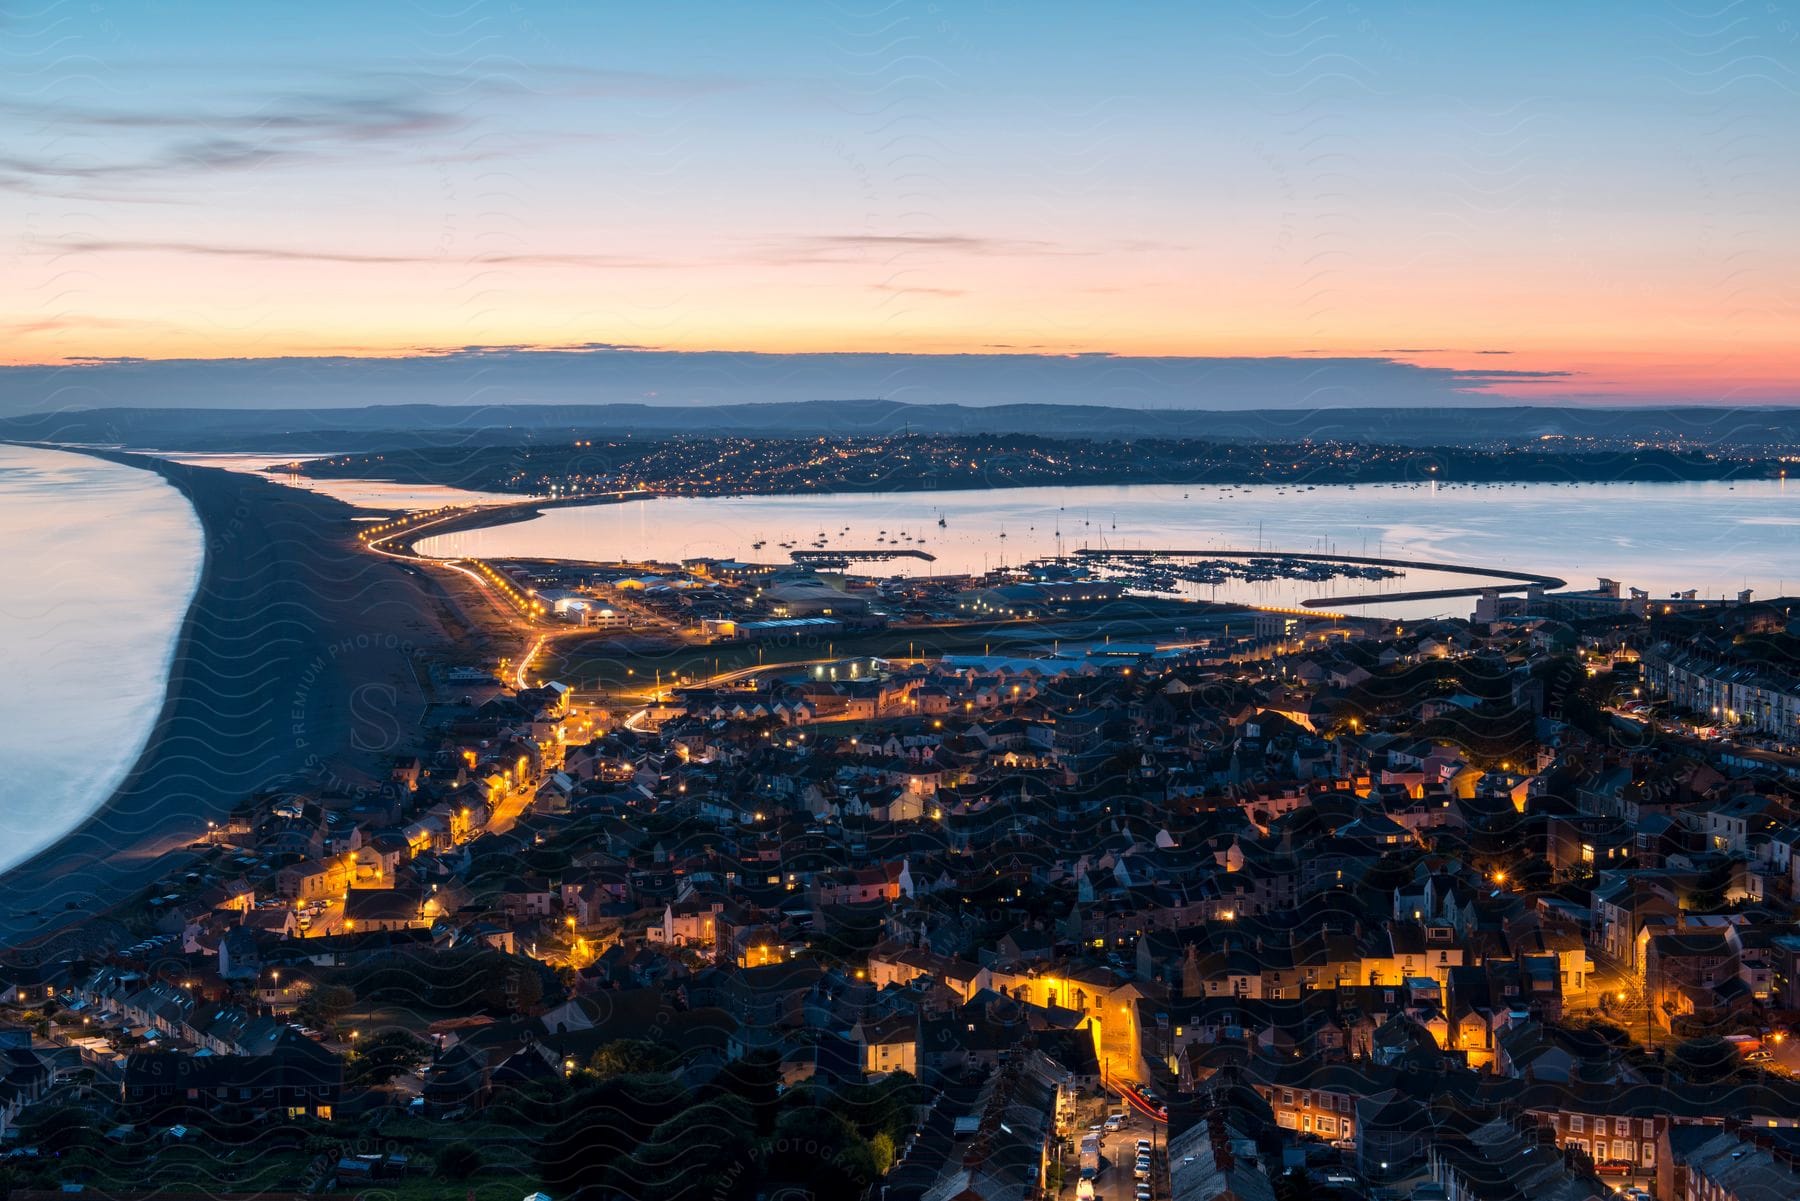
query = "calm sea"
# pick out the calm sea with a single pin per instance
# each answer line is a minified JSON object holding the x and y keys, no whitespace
{"x":1714,"y":537}
{"x":101,"y":562}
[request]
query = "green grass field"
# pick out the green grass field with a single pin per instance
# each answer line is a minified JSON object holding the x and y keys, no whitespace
{"x":599,"y":664}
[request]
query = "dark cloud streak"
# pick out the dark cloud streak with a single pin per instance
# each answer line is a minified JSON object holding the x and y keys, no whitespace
{"x":855,"y":248}
{"x":285,"y":127}
{"x":603,"y":373}
{"x":278,"y":254}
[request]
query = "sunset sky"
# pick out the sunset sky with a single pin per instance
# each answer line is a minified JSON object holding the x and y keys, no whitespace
{"x":1595,"y":200}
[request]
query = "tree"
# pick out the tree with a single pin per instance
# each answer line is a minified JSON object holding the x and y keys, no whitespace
{"x":511,"y":985}
{"x":603,"y":1124}
{"x":886,"y":1106}
{"x":60,"y":1130}
{"x":1534,"y":873}
{"x":754,"y":1079}
{"x":534,"y":1106}
{"x":458,"y":1161}
{"x":702,"y":1153}
{"x":820,"y":1150}
{"x":628,"y":1056}
{"x":882,"y":1147}
{"x":1711,"y":887}
{"x":379,"y":1059}
{"x":529,"y":990}
{"x":323,"y":1006}
{"x":1704,"y":1060}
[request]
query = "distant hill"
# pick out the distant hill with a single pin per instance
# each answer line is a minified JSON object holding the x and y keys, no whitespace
{"x":384,"y":426}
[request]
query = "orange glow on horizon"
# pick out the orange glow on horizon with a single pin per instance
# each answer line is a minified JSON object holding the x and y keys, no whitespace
{"x":1748,"y":375}
{"x":1520,"y":316}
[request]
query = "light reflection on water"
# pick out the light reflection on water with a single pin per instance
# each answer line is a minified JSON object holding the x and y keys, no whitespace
{"x":1714,"y":537}
{"x":364,"y":494}
{"x":102,"y":561}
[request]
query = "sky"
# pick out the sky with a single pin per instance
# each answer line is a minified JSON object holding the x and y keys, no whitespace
{"x":1533,"y":201}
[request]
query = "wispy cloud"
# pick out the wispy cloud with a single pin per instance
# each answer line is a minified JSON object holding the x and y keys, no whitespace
{"x":283,"y":254}
{"x":336,"y":114}
{"x":852,"y":248}
{"x":72,"y":321}
{"x":563,"y":79}
{"x":1435,"y":350}
{"x":317,"y":114}
{"x":802,"y":252}
{"x":916,"y":290}
{"x":183,"y":141}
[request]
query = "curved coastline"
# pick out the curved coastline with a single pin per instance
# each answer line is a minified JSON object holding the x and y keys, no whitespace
{"x":172,"y":654}
{"x":488,"y":516}
{"x":288,"y":625}
{"x":141,"y":680}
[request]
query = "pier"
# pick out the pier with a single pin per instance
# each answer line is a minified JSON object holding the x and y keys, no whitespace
{"x":1499,"y":579}
{"x":843,"y":558}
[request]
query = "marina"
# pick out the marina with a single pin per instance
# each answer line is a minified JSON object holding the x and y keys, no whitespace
{"x":1712,"y":537}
